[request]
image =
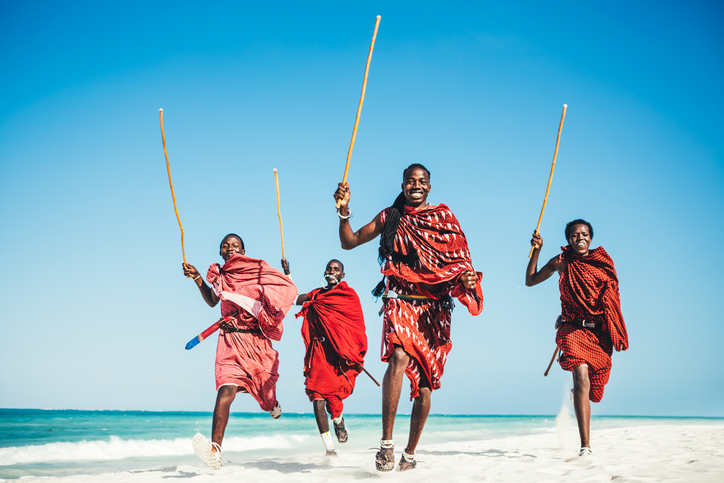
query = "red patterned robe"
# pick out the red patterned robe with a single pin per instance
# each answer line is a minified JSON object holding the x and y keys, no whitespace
{"x":262,"y":296}
{"x":336,"y":342}
{"x":589,"y":291}
{"x":422,"y":328}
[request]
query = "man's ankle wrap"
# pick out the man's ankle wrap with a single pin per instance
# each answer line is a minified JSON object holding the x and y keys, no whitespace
{"x":387,"y":443}
{"x":327,"y":440}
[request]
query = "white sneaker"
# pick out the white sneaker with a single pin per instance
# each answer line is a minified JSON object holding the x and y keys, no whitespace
{"x":202,"y":448}
{"x":276,"y":413}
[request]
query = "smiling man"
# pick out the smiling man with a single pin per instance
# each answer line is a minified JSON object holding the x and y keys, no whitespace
{"x":254,"y":300}
{"x":334,"y":336}
{"x":591,"y":324}
{"x":425,"y":262}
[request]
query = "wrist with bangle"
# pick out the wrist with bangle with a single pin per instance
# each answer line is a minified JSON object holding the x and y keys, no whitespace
{"x":343,"y":217}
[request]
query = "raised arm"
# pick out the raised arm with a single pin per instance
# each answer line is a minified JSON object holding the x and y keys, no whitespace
{"x":300,"y":298}
{"x":533,"y":276}
{"x":351,"y":239}
{"x":208,"y":295}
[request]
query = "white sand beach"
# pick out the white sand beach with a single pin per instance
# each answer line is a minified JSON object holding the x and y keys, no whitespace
{"x":676,"y":452}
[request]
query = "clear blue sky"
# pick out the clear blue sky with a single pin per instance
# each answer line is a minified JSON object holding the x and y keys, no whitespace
{"x":95,"y":311}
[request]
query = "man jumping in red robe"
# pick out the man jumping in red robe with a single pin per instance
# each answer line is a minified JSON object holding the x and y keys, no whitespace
{"x":254,"y":300}
{"x":334,"y":335}
{"x":591,"y":324}
{"x":426,"y":262}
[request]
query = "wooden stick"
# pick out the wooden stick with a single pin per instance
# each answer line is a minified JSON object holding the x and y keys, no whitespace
{"x":373,"y":379}
{"x":550,"y":178}
{"x":279,"y":210}
{"x":555,"y":353}
{"x":361,"y":101}
{"x":170,"y":183}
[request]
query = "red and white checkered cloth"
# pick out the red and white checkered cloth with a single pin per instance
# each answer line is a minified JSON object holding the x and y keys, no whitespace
{"x":262,"y":296}
{"x":589,"y":291}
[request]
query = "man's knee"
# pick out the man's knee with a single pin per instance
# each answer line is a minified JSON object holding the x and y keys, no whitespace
{"x":226,"y":394}
{"x":399,"y":359}
{"x":424,"y":394}
{"x":581,"y":381}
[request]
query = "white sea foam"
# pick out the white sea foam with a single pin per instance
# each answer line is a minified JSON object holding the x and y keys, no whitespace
{"x":116,"y":448}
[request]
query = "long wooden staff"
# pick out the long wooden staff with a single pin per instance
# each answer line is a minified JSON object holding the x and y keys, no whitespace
{"x":550,"y":178}
{"x":279,"y":210}
{"x":555,"y":353}
{"x":361,"y":101}
{"x":170,"y":183}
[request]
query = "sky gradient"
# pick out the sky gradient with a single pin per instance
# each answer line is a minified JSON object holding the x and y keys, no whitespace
{"x":95,"y":311}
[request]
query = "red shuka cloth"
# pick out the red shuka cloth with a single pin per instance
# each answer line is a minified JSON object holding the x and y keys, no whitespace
{"x":589,"y":291}
{"x":332,"y":365}
{"x":262,"y":296}
{"x":422,"y":328}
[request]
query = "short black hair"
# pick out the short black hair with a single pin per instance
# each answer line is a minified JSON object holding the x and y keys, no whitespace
{"x":232,"y":234}
{"x":573,"y":223}
{"x":414,"y":166}
{"x":335,"y":260}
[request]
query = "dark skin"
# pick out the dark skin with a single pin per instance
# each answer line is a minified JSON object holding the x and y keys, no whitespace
{"x":333,"y":274}
{"x":580,"y":241}
{"x":415,"y":187}
{"x":226,"y":394}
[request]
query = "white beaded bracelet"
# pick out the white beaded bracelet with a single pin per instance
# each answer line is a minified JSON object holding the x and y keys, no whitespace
{"x":342,"y":217}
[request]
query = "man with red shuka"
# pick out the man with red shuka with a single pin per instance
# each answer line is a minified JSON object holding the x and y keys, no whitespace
{"x":426,"y":261}
{"x":591,"y":324}
{"x":336,"y":342}
{"x":254,"y":300}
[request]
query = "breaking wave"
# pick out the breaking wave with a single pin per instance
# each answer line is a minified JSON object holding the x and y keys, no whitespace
{"x":115,"y":448}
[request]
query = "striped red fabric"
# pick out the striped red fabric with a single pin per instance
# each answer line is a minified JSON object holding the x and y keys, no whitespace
{"x":435,"y":233}
{"x":422,"y":328}
{"x":589,"y":291}
{"x":262,"y":296}
{"x":334,"y":335}
{"x":253,"y":285}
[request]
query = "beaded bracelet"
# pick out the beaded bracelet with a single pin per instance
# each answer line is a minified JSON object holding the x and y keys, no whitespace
{"x":342,"y":217}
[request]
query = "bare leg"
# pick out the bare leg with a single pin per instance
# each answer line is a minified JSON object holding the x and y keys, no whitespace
{"x":224,"y":398}
{"x":420,"y":411}
{"x":391,"y":388}
{"x":321,"y":415}
{"x":581,"y":403}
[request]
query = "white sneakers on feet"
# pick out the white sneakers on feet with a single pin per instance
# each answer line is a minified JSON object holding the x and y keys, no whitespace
{"x":203,"y":449}
{"x":276,"y":413}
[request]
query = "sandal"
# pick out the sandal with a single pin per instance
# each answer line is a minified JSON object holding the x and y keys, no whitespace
{"x":341,"y":431}
{"x":204,"y":449}
{"x":407,"y":462}
{"x":385,"y":459}
{"x":585,"y":451}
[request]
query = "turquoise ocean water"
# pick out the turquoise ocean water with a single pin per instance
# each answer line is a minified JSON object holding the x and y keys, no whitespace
{"x":67,"y":442}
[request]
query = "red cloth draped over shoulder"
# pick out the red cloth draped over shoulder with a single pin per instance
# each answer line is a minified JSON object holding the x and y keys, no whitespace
{"x":254,"y":286}
{"x":336,"y":343}
{"x":443,"y":253}
{"x":337,"y":315}
{"x":589,"y":290}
